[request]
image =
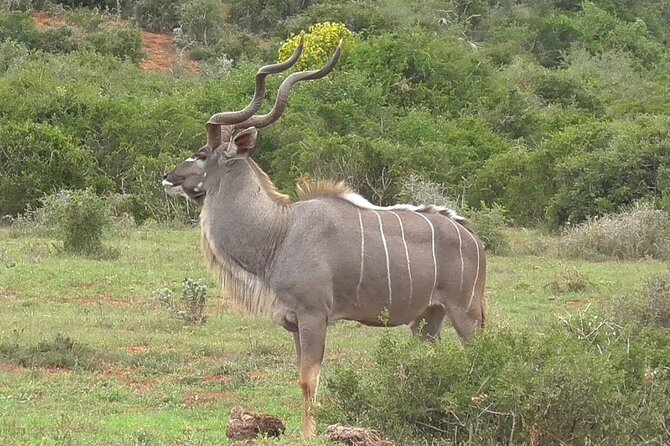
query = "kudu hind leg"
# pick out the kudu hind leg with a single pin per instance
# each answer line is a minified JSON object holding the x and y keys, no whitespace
{"x":465,"y":321}
{"x":312,"y":339}
{"x":429,"y":324}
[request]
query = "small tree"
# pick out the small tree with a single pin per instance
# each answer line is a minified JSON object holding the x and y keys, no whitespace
{"x":80,"y":217}
{"x":320,"y":42}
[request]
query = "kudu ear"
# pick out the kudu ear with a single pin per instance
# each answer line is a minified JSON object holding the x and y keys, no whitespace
{"x":243,"y":143}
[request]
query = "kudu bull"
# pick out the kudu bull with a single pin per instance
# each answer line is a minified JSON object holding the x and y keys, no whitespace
{"x":331,"y":255}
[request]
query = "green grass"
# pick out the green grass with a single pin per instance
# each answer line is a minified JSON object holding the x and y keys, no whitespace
{"x":154,"y":380}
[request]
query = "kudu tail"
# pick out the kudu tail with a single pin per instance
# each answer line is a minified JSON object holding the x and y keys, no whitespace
{"x":485,"y":310}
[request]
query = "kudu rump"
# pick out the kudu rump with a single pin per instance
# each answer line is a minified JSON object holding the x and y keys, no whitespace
{"x":330,"y":256}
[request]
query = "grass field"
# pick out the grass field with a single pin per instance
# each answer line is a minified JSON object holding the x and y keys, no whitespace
{"x":146,"y":378}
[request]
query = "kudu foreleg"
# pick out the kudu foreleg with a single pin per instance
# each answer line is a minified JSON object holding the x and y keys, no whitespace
{"x":312,"y":341}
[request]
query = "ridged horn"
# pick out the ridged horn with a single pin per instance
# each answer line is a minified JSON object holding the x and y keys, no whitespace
{"x":260,"y":121}
{"x":229,"y":118}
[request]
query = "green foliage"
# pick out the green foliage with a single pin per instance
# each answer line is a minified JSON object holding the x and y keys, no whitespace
{"x":200,"y":20}
{"x":120,"y":42}
{"x":156,"y":15}
{"x":81,"y":217}
{"x":257,"y":15}
{"x":59,"y":41}
{"x":191,"y":309}
{"x":36,"y":159}
{"x":555,"y":110}
{"x":511,"y":386}
{"x":233,"y":45}
{"x":637,"y":233}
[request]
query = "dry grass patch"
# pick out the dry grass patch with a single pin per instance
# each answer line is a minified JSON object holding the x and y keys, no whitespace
{"x":637,"y":233}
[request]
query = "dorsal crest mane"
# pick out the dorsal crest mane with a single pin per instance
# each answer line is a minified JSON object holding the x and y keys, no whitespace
{"x":308,"y":190}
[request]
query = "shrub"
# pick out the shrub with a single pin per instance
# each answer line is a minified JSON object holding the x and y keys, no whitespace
{"x":200,"y":20}
{"x":156,"y":15}
{"x":59,"y":41}
{"x":418,"y":190}
{"x":121,"y":42}
{"x":20,"y":27}
{"x":320,"y":42}
{"x":85,"y":19}
{"x":61,"y":352}
{"x":489,"y":223}
{"x":191,"y":309}
{"x":639,"y":232}
{"x":360,"y":18}
{"x":569,"y":281}
{"x":233,"y":44}
{"x":11,"y":53}
{"x":81,"y":217}
{"x":511,"y":387}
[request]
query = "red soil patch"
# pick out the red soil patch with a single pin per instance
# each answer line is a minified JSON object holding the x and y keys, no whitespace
{"x":129,"y":378}
{"x":577,"y":303}
{"x":138,"y":349}
{"x":257,"y":375}
{"x":162,"y":55}
{"x":47,"y":372}
{"x":218,"y":378}
{"x":11,"y":368}
{"x":105,"y":299}
{"x":206,"y":398}
{"x":43,"y":20}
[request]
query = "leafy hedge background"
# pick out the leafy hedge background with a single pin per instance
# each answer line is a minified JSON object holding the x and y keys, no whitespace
{"x":555,"y":110}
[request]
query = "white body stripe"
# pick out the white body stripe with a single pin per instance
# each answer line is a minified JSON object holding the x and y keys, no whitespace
{"x":432,"y":232}
{"x":388,"y":262}
{"x":409,"y":267}
{"x":474,"y":285}
{"x":360,"y":278}
{"x":460,"y":249}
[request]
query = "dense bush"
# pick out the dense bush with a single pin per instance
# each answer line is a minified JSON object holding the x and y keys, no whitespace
{"x":36,"y":159}
{"x":512,"y":387}
{"x":123,"y":43}
{"x":117,"y":41}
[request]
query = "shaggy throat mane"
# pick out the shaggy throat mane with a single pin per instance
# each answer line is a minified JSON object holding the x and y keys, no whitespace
{"x":247,"y":289}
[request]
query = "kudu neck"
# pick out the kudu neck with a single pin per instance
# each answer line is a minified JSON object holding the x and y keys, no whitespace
{"x":242,"y":219}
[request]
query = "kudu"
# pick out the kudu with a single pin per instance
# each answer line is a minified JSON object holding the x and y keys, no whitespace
{"x":330,"y":256}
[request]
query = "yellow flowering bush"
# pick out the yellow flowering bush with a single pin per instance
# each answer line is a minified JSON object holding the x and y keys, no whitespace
{"x":320,"y":42}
